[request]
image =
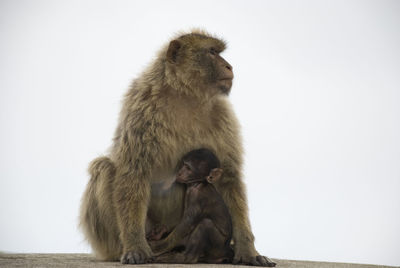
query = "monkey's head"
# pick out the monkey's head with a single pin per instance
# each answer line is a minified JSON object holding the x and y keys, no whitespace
{"x":193,"y":64}
{"x":199,"y":166}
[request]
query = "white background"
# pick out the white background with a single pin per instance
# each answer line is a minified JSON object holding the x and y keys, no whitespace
{"x":317,"y":91}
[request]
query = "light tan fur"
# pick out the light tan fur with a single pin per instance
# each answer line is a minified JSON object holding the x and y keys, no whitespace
{"x":166,"y":113}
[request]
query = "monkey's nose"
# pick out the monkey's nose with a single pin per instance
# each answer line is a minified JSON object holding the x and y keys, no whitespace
{"x":228,"y":66}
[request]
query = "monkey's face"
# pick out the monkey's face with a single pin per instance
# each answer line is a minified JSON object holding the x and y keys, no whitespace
{"x":197,"y":64}
{"x":218,"y":72}
{"x":192,"y":171}
{"x":185,"y":173}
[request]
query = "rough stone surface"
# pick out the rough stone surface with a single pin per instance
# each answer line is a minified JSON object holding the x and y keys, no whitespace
{"x":86,"y":261}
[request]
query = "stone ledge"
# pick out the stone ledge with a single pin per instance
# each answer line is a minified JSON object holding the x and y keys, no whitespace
{"x":86,"y":261}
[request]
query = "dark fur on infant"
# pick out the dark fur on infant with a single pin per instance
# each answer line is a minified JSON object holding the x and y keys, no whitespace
{"x":204,"y":234}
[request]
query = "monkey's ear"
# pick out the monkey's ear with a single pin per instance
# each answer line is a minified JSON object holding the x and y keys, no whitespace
{"x":215,"y":175}
{"x":173,"y":49}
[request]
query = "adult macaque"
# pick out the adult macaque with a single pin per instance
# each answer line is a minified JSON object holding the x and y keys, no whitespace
{"x":205,"y":230}
{"x":179,"y":103}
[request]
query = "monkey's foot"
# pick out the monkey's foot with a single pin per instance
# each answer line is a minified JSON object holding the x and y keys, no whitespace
{"x":160,"y":246}
{"x":138,"y":256}
{"x":176,"y":257}
{"x":258,"y":260}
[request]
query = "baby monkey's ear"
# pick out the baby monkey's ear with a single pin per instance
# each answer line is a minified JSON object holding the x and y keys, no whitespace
{"x":215,"y":175}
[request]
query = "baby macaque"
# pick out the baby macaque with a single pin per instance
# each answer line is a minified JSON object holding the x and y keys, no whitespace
{"x":205,"y":231}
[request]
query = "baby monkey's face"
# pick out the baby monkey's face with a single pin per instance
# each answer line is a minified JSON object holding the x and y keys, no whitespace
{"x":190,"y":172}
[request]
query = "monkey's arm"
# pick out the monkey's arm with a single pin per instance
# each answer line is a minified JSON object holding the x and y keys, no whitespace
{"x":135,"y":158}
{"x":189,"y":221}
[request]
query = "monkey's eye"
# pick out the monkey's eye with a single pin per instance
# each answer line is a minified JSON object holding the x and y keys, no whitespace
{"x":213,"y":51}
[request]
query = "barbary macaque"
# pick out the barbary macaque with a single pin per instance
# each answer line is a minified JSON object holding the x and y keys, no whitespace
{"x":178,"y":104}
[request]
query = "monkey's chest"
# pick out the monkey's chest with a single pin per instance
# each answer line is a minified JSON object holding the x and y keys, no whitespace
{"x":196,"y":133}
{"x":166,"y":204}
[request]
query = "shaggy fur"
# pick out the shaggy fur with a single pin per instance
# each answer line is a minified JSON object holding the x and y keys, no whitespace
{"x":171,"y":109}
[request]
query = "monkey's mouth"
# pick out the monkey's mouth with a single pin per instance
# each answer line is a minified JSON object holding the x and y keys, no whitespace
{"x":225,"y":86}
{"x":226,"y":80}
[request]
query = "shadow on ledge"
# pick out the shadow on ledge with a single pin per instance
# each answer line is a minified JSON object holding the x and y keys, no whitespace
{"x":86,"y":261}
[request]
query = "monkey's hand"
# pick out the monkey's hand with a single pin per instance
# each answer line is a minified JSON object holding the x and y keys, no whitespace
{"x":157,"y":233}
{"x":251,"y":257}
{"x":139,"y":255}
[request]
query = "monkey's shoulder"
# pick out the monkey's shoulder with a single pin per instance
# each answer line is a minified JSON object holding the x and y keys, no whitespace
{"x":203,"y":193}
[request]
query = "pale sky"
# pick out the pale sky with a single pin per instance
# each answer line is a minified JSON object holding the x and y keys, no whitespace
{"x":316,"y":89}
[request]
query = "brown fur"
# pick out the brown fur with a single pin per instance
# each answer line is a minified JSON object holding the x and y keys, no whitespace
{"x":172,"y":108}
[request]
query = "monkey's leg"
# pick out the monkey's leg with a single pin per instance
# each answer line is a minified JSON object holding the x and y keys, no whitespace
{"x":165,"y":245}
{"x":232,"y":190}
{"x":218,"y":249}
{"x":194,"y":245}
{"x":199,"y":242}
{"x":96,"y":217}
